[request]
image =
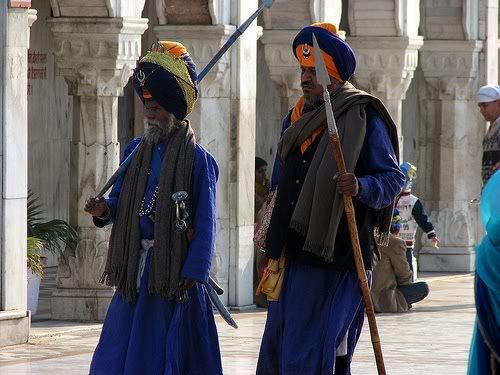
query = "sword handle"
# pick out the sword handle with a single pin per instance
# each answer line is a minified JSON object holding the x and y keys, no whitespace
{"x":218,"y":289}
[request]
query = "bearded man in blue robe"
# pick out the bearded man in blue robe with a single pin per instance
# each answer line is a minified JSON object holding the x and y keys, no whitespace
{"x":315,"y":324}
{"x":160,"y":320}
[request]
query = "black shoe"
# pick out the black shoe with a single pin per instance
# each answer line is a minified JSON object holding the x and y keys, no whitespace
{"x":341,"y":365}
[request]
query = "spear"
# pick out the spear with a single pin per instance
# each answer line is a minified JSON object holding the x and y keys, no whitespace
{"x":239,"y":31}
{"x":333,"y":136}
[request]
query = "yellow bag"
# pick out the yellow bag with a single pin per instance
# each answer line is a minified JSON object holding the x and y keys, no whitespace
{"x":272,"y":279}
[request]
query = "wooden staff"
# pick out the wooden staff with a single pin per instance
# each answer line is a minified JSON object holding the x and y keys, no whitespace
{"x":333,"y":136}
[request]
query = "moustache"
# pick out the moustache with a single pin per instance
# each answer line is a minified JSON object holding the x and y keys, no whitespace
{"x":152,"y":123}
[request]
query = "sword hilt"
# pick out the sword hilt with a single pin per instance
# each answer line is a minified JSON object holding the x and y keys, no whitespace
{"x":218,"y":289}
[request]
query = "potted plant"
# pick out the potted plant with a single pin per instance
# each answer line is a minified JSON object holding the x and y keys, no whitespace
{"x":52,"y":236}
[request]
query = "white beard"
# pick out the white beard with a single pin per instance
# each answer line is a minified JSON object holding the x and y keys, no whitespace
{"x":156,"y":132}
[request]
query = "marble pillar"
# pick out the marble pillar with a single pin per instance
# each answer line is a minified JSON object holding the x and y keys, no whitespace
{"x":224,"y":123}
{"x":211,"y":119}
{"x":96,"y":56}
{"x":385,"y":67}
{"x":385,"y":37}
{"x":449,"y":144}
{"x":14,"y":318}
{"x":242,"y":161}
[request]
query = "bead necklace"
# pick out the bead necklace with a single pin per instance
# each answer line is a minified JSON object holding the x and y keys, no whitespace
{"x":146,"y":211}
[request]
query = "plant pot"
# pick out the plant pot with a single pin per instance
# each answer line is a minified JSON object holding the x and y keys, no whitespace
{"x":33,"y":291}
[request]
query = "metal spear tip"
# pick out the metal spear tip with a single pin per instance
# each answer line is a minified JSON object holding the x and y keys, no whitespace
{"x":268,"y":3}
{"x":321,"y":72}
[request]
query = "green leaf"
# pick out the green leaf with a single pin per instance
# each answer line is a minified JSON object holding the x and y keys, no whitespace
{"x":34,"y":262}
{"x":55,"y":235}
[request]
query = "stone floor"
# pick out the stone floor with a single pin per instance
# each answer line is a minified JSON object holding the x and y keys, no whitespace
{"x":431,"y":339}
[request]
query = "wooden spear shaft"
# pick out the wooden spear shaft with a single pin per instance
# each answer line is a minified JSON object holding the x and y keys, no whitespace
{"x":324,"y":79}
{"x":358,"y":258}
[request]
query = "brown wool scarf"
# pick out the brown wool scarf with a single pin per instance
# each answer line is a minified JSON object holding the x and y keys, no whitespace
{"x":319,"y":207}
{"x":170,"y":248}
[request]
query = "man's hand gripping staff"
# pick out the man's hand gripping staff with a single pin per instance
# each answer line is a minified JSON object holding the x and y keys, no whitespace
{"x":348,"y":188}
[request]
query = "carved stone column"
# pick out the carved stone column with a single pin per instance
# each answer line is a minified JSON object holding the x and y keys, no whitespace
{"x":283,"y":66}
{"x":96,"y":57}
{"x":224,"y":123}
{"x":385,"y":67}
{"x":450,"y":151}
{"x":15,"y":19}
{"x":211,"y":120}
{"x":242,"y":160}
{"x":385,"y":38}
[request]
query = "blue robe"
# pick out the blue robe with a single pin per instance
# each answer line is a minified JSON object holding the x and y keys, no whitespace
{"x":317,"y":306}
{"x":316,"y":309}
{"x":155,"y":335}
{"x":486,"y":338}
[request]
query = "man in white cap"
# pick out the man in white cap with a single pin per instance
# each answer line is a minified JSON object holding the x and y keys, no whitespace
{"x":488,"y":98}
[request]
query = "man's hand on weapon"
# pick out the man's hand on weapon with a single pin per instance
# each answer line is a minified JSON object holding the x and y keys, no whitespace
{"x":96,"y":206}
{"x":347,"y":184}
{"x":186,"y":284}
{"x":182,"y":292}
{"x":435,"y":242}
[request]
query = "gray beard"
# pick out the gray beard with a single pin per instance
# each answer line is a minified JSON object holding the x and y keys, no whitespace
{"x":313,"y":101}
{"x":156,"y":132}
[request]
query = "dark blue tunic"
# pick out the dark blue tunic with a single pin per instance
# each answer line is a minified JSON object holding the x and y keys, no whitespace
{"x":155,"y":335}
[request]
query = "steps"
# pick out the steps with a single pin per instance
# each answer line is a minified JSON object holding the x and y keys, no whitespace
{"x":47,"y":286}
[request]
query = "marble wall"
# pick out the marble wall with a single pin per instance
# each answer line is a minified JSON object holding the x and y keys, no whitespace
{"x":49,"y":123}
